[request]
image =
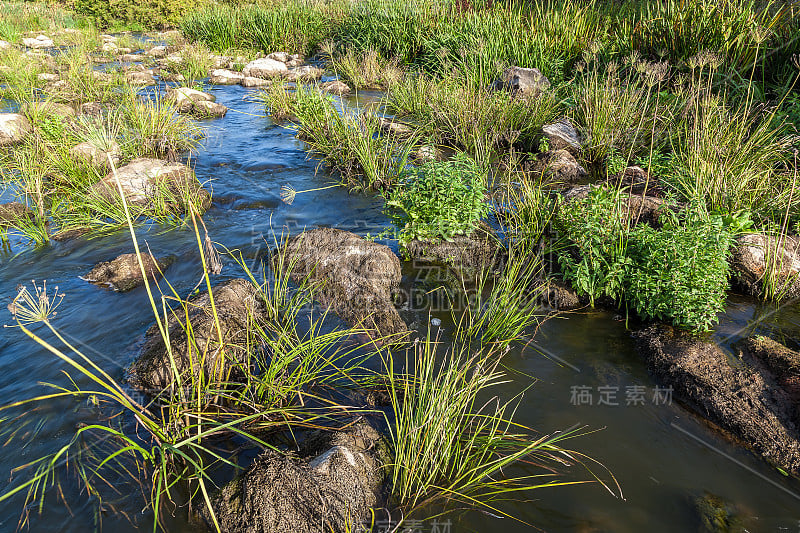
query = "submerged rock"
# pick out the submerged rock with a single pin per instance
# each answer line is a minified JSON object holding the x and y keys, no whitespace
{"x":357,"y":277}
{"x":124,"y":273}
{"x":717,"y":515}
{"x":466,"y":255}
{"x":12,"y":212}
{"x":265,"y":68}
{"x":336,"y":87}
{"x":737,"y":398}
{"x":13,"y":128}
{"x":41,"y":41}
{"x":145,"y":180}
{"x":330,"y":487}
{"x":752,"y":255}
{"x":561,"y":135}
{"x":223,"y":76}
{"x":522,"y":81}
{"x":237,"y":305}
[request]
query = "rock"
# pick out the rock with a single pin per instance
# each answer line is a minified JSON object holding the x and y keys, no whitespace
{"x":109,"y":47}
{"x":13,"y":128}
{"x":285,"y":493}
{"x":220,"y":62}
{"x":94,"y":109}
{"x":101,"y":76}
{"x":754,"y":253}
{"x":717,"y":516}
{"x":265,"y":68}
{"x":131,"y":58}
{"x":124,"y":273}
{"x":294,"y":63}
{"x":336,"y":87}
{"x":157,"y":51}
{"x":393,"y":127}
{"x":237,"y":304}
{"x":646,"y":209}
{"x":522,"y":81}
{"x":356,"y":276}
{"x":559,"y":296}
{"x":38,"y":110}
{"x":42,"y":41}
{"x":206,"y":109}
{"x":145,"y":179}
{"x":466,"y":255}
{"x":173,"y":60}
{"x":140,"y":78}
{"x":283,"y":57}
{"x":426,"y":153}
{"x":171,"y":76}
{"x":95,"y":155}
{"x":738,"y":399}
{"x":106,"y":38}
{"x":5,"y":45}
{"x":47,"y":76}
{"x":305,"y":73}
{"x":561,"y":135}
{"x":12,"y":212}
{"x":636,"y":181}
{"x":560,"y":166}
{"x":185,"y":98}
{"x":250,"y":81}
{"x":226,"y":77}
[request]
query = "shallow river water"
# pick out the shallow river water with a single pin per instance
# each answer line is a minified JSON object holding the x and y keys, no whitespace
{"x":662,"y":456}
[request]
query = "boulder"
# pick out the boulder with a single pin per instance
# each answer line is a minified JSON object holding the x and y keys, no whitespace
{"x":636,"y":208}
{"x":237,"y":305}
{"x":737,"y":398}
{"x":394,"y":127}
{"x":356,"y":277}
{"x":12,"y":212}
{"x":283,"y":57}
{"x":94,"y":109}
{"x":41,"y":41}
{"x":466,"y":255}
{"x":140,"y":78}
{"x":250,"y":81}
{"x":47,"y":76}
{"x":38,"y":109}
{"x":185,"y":98}
{"x":131,"y":58}
{"x":226,"y":77}
{"x":13,"y":128}
{"x":336,"y":87}
{"x":753,"y":254}
{"x":124,"y":273}
{"x":95,"y":155}
{"x":206,"y":109}
{"x":561,"y":135}
{"x":522,"y":81}
{"x":560,"y":166}
{"x":328,"y":488}
{"x":157,"y":51}
{"x":265,"y":68}
{"x":305,"y":73}
{"x":5,"y":45}
{"x":144,"y":179}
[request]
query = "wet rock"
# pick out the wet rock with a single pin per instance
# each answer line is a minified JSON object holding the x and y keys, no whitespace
{"x":717,"y":516}
{"x":560,"y":166}
{"x":185,"y":98}
{"x":250,"y":81}
{"x":522,"y":81}
{"x":226,"y":77}
{"x":41,"y":41}
{"x":356,"y":277}
{"x":393,"y":127}
{"x":237,"y":304}
{"x":305,"y":73}
{"x":331,"y":491}
{"x":283,"y":57}
{"x":95,"y":155}
{"x":780,"y":362}
{"x":336,"y":87}
{"x":13,"y":128}
{"x":561,"y":135}
{"x":265,"y":68}
{"x":140,"y":78}
{"x":157,"y":51}
{"x":143,"y":180}
{"x":124,"y":273}
{"x":737,"y":398}
{"x":751,"y":257}
{"x":39,"y":110}
{"x":466,"y":255}
{"x":206,"y":109}
{"x":12,"y":213}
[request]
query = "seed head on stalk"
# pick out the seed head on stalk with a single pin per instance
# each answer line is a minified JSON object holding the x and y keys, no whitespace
{"x":30,"y":308}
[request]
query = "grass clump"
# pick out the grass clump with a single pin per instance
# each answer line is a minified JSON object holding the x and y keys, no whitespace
{"x":438,"y":200}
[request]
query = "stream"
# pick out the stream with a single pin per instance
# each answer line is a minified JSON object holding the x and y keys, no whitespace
{"x":662,"y":456}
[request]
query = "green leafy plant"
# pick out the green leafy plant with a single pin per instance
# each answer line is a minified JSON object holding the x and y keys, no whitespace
{"x":438,"y":200}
